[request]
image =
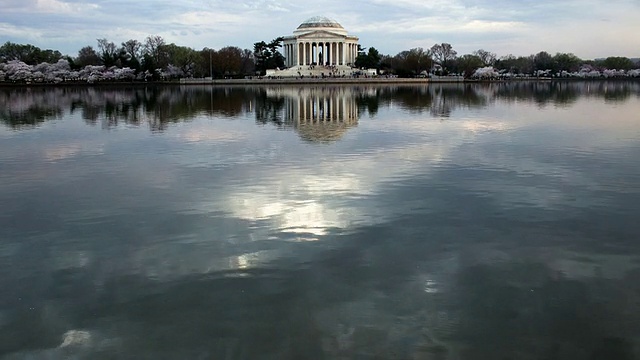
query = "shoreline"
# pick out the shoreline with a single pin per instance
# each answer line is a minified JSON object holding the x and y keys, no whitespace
{"x":310,"y":81}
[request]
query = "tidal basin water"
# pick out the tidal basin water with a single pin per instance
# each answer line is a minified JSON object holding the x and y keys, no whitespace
{"x":495,"y":221}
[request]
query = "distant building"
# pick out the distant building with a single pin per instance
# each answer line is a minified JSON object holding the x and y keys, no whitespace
{"x":320,"y":41}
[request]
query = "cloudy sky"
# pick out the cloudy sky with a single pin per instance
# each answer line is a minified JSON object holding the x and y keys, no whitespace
{"x":588,"y":28}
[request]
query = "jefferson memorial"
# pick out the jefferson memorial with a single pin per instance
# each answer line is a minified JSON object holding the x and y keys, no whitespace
{"x":318,"y":42}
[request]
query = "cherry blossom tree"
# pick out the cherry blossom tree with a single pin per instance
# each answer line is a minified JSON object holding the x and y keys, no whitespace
{"x":58,"y":72}
{"x":486,"y":72}
{"x":17,"y":70}
{"x":171,"y":72}
{"x":124,"y":74}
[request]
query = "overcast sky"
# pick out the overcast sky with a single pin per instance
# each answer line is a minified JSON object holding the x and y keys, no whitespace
{"x":588,"y":28}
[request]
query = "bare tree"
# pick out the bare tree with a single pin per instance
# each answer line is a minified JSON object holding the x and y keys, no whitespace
{"x":487,"y":58}
{"x":132,"y":48}
{"x":419,"y":60}
{"x":443,"y":54}
{"x":108,"y":52}
{"x":248,"y":62}
{"x":153,"y":47}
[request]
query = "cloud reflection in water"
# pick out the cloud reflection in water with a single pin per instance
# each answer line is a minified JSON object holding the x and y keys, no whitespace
{"x":445,"y":220}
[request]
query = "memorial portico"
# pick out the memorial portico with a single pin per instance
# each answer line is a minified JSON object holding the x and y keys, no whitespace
{"x":320,"y":41}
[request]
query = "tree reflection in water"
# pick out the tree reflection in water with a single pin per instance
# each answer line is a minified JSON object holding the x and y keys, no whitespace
{"x":160,"y":106}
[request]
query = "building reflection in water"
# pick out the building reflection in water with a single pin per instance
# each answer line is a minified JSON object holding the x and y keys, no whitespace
{"x":318,"y":114}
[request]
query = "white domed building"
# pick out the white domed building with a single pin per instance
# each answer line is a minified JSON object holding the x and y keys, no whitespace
{"x":320,"y":41}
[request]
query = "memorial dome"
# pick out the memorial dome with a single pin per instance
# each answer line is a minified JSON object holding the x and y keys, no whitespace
{"x":320,"y":22}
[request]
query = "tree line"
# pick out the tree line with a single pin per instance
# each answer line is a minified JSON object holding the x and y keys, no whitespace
{"x":151,"y":59}
{"x":442,"y":59}
{"x":155,"y":59}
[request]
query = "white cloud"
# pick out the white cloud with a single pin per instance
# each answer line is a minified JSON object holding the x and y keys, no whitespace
{"x":70,"y":150}
{"x":201,"y":134}
{"x":208,"y":19}
{"x":502,"y":26}
{"x":61,"y":7}
{"x":21,"y":32}
{"x":430,"y":25}
{"x":482,"y":26}
{"x":311,"y":205}
{"x":448,"y":6}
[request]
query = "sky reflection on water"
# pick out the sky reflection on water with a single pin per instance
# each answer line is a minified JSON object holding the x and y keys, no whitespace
{"x":433,"y":222}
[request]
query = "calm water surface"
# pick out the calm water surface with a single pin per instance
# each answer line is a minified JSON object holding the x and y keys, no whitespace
{"x":336,"y":222}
